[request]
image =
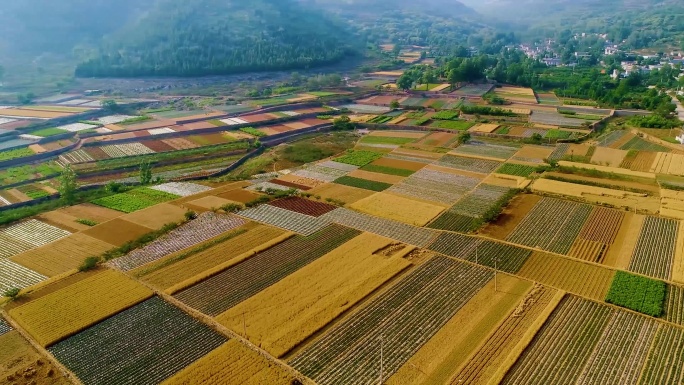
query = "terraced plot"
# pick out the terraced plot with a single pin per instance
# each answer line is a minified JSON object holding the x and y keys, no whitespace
{"x":321,"y":173}
{"x":405,"y":317}
{"x":611,"y":138}
{"x":559,"y":351}
{"x":145,"y":344}
{"x":387,"y":228}
{"x":134,"y":200}
{"x":286,"y":219}
{"x":516,"y":170}
{"x":234,"y":285}
{"x":551,"y":225}
{"x":205,"y":227}
{"x":16,"y":276}
{"x":398,"y":208}
{"x":481,"y":166}
{"x":560,"y":151}
{"x":655,"y":248}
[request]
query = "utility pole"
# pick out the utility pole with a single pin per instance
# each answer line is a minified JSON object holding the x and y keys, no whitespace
{"x":496,"y":268}
{"x":381,"y":361}
{"x":476,"y":256}
{"x":244,"y":324}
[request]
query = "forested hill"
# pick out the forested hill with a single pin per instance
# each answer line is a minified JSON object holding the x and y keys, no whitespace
{"x":211,"y":37}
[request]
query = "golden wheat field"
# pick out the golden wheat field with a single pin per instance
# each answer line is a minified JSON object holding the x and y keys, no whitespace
{"x":57,"y":315}
{"x":232,"y":364}
{"x":282,"y":316}
{"x":398,"y":208}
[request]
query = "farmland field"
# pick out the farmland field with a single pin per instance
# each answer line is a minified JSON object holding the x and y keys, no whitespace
{"x":181,"y":189}
{"x":398,"y":208}
{"x":637,"y":293}
{"x":134,"y":200}
{"x":674,"y":305}
{"x":481,"y":166}
{"x":363,"y":183}
{"x":359,"y":157}
{"x":4,"y":327}
{"x":285,"y":314}
{"x":516,"y":169}
{"x":34,"y":232}
{"x":205,"y":227}
{"x":508,"y":258}
{"x":286,"y":219}
{"x":232,"y":364}
{"x":303,"y":206}
{"x":57,"y":315}
{"x":663,"y":363}
{"x":655,"y":248}
{"x":468,"y":212}
{"x":14,"y":275}
{"x":147,"y":343}
{"x":346,"y":194}
{"x":405,"y":317}
{"x":238,"y":283}
{"x":436,"y":186}
{"x":486,"y":150}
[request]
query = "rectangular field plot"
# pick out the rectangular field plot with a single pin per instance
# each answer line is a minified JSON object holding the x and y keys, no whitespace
{"x":34,"y":232}
{"x":436,"y":186}
{"x":62,"y":255}
{"x":321,"y":173}
{"x":284,"y":315}
{"x":232,"y":363}
{"x":586,"y":343}
{"x":385,"y":227}
{"x":182,"y":189}
{"x":60,"y":314}
{"x":486,"y":150}
{"x":573,"y":276}
{"x":185,"y":265}
{"x":205,"y":227}
{"x":145,"y":344}
{"x":10,"y":246}
{"x":16,"y":276}
{"x":655,"y":248}
{"x":481,"y":166}
{"x":303,"y":206}
{"x":663,"y":365}
{"x":486,"y":253}
{"x":482,"y":366}
{"x":551,"y":225}
{"x":406,"y":317}
{"x":516,"y":170}
{"x":467,"y":213}
{"x":135,"y":200}
{"x":398,"y":208}
{"x":239,"y":282}
{"x":674,"y":305}
{"x":286,"y":219}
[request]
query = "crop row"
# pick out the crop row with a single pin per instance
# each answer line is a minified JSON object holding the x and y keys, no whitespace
{"x":145,"y":344}
{"x":551,"y":225}
{"x":621,"y":352}
{"x":134,"y":200}
{"x":263,"y":186}
{"x":320,"y":173}
{"x":10,"y":246}
{"x":610,"y":139}
{"x":385,"y":227}
{"x":14,"y":275}
{"x":78,"y":156}
{"x":516,"y":170}
{"x":338,"y":166}
{"x":35,"y":232}
{"x":479,"y":201}
{"x":225,"y":290}
{"x":663,"y":365}
{"x":205,"y":227}
{"x":363,"y":183}
{"x":359,"y":157}
{"x":452,"y":221}
{"x":303,"y":206}
{"x":114,"y":119}
{"x":286,"y":219}
{"x":481,"y":166}
{"x":401,"y":320}
{"x":488,"y":150}
{"x":4,"y":327}
{"x":561,"y":348}
{"x":560,"y":151}
{"x":602,"y":225}
{"x":674,"y":305}
{"x":182,"y":189}
{"x":506,"y":336}
{"x":655,"y":248}
{"x":491,"y":254}
{"x":436,"y":186}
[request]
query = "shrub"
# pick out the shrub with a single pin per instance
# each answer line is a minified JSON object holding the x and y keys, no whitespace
{"x":190,"y":215}
{"x":89,"y":264}
{"x":87,"y":222}
{"x":12,"y":294}
{"x":231,"y":207}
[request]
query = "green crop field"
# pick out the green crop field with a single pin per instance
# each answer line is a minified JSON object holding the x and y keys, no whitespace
{"x":359,"y":157}
{"x":134,"y":200}
{"x":516,"y":169}
{"x":363,"y":183}
{"x":388,"y":170}
{"x":638,"y":293}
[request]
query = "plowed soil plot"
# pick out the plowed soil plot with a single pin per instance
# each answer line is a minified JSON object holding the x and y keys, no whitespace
{"x":655,"y":248}
{"x":552,"y":225}
{"x":205,"y":227}
{"x":577,"y":277}
{"x":303,"y":206}
{"x":481,"y":166}
{"x":232,"y":364}
{"x":664,"y":363}
{"x":145,"y":344}
{"x":225,"y":290}
{"x":559,"y":351}
{"x":487,"y":253}
{"x":438,"y":139}
{"x":405,"y":317}
{"x":483,"y":365}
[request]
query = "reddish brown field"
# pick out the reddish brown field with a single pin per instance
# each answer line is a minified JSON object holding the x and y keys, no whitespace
{"x":96,"y":153}
{"x":151,"y":124}
{"x":180,"y":143}
{"x":304,"y":206}
{"x":314,"y":121}
{"x":438,"y":139}
{"x":296,"y":125}
{"x":257,"y":118}
{"x":16,"y":125}
{"x":290,"y":184}
{"x":199,"y":125}
{"x":141,"y":134}
{"x":239,"y":195}
{"x":396,"y":163}
{"x":157,"y":145}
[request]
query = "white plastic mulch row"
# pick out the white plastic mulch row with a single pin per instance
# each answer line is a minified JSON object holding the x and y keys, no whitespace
{"x":6,"y":120}
{"x":286,"y":219}
{"x":113,"y":119}
{"x":338,"y":166}
{"x":35,"y":232}
{"x":5,"y":201}
{"x":263,"y":186}
{"x":15,"y":276}
{"x":10,"y":247}
{"x":76,"y":127}
{"x":205,"y":227}
{"x":160,"y":131}
{"x":290,"y":113}
{"x":78,"y":156}
{"x":183,"y":189}
{"x":131,"y":149}
{"x":234,"y":121}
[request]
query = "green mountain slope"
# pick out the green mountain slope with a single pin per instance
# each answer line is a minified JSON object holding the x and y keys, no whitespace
{"x":208,"y":37}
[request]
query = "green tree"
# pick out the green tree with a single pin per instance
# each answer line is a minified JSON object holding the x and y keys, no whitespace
{"x":110,"y":105}
{"x":343,"y":123}
{"x":464,"y":137}
{"x":145,"y":173}
{"x":68,"y":185}
{"x":394,"y":104}
{"x":26,"y":98}
{"x":12,"y":293}
{"x":428,"y":77}
{"x":405,"y":82}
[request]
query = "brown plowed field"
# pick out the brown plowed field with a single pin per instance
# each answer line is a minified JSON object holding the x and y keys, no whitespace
{"x":642,"y":162}
{"x":587,"y":250}
{"x":603,"y":225}
{"x":346,"y":194}
{"x":290,"y":184}
{"x":298,"y":180}
{"x":573,"y":276}
{"x":180,"y":143}
{"x":157,"y":216}
{"x":157,"y":145}
{"x":396,"y":163}
{"x":304,"y":206}
{"x":117,"y":232}
{"x":96,"y":153}
{"x":438,"y":139}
